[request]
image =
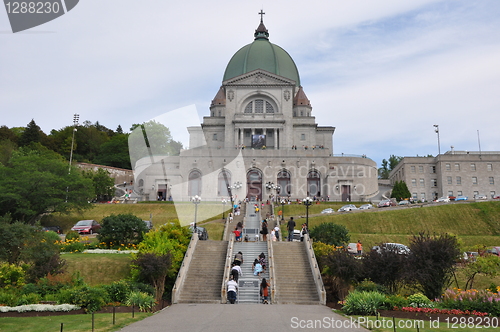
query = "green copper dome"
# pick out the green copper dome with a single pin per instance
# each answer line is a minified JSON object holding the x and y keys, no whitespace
{"x":261,"y":54}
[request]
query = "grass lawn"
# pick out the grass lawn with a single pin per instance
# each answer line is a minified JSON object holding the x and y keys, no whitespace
{"x":98,"y":269}
{"x":102,"y":322}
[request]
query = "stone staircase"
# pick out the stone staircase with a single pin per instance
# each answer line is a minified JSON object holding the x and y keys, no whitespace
{"x":294,"y":278}
{"x":249,"y":285}
{"x":204,"y":279}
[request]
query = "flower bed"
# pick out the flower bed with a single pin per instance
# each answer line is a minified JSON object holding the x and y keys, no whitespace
{"x":39,"y":307}
{"x":437,"y":311}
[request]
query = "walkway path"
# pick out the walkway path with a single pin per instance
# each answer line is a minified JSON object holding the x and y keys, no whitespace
{"x":244,"y":318}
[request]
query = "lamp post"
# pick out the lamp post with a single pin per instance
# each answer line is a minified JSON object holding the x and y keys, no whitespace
{"x":76,"y":117}
{"x":224,"y":201}
{"x":282,"y":206}
{"x":307,"y":202}
{"x":437,"y":132}
{"x":196,"y":200}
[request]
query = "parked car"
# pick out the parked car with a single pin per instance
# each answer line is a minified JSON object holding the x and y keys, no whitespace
{"x":471,"y":256}
{"x":352,"y":248}
{"x":494,"y":251}
{"x":202,"y":232}
{"x":480,"y":197}
{"x":386,"y":203}
{"x":496,"y":197}
{"x":296,"y":235}
{"x":461,"y":198}
{"x":348,"y":207}
{"x":56,"y":229}
{"x":329,"y":210}
{"x":86,"y":227}
{"x":452,"y":198}
{"x":366,"y":207}
{"x":404,"y":202}
{"x":396,"y":247}
{"x":444,"y":199}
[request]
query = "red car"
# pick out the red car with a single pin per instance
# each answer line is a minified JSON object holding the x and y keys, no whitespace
{"x":86,"y":227}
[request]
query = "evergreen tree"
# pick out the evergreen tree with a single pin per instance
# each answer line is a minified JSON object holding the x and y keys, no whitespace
{"x":30,"y":134}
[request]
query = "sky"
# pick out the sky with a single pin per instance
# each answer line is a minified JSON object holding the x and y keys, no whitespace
{"x":381,"y":72}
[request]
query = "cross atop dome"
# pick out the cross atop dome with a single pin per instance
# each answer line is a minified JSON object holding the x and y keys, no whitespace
{"x":261,"y":32}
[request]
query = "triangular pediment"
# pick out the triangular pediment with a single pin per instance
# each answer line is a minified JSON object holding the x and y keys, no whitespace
{"x":259,"y":77}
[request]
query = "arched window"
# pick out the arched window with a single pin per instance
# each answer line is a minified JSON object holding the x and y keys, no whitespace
{"x":224,"y":181}
{"x":284,"y":183}
{"x":258,"y":106}
{"x":194,"y":184}
{"x":141,"y":183}
{"x":313,"y":184}
{"x":254,"y":184}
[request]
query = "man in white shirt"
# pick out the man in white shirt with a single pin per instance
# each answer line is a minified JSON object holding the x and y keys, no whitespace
{"x":232,"y":287}
{"x":236,"y":272}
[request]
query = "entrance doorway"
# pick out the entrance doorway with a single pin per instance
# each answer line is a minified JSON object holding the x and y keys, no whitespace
{"x":254,"y":185}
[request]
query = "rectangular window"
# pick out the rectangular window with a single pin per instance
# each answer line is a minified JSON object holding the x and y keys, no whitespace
{"x":433,"y":169}
{"x":422,"y":183}
{"x":412,"y":169}
{"x":434,"y":183}
{"x":459,"y":180}
{"x":492,"y":194}
{"x":450,"y":193}
{"x":414,"y":195}
{"x":489,"y":167}
{"x":457,"y":167}
{"x":476,"y":193}
{"x":473,"y":167}
{"x":413,"y":182}
{"x":420,"y":169}
{"x":422,"y":197}
{"x":492,"y":180}
{"x":474,"y":180}
{"x":215,"y":137}
{"x":302,"y":137}
{"x":460,"y":193}
{"x":448,"y":167}
{"x":450,"y":181}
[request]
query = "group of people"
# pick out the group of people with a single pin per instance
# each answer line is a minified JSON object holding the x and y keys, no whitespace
{"x":259,"y":266}
{"x":291,"y":229}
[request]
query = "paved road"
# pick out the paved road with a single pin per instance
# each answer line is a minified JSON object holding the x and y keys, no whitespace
{"x":244,"y":318}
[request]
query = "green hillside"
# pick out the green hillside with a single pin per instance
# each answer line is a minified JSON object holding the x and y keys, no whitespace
{"x":474,"y":223}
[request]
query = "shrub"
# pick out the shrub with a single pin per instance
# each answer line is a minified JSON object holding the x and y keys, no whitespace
{"x":90,"y":298}
{"x":144,"y":301}
{"x":432,"y":262}
{"x":419,"y":300}
{"x":385,"y":268}
{"x":72,"y":235}
{"x":393,"y":301}
{"x":72,"y":245}
{"x":52,"y":236}
{"x":11,"y":275}
{"x":118,"y":291}
{"x":330,"y":233}
{"x":31,"y":298}
{"x":8,"y":297}
{"x":341,"y":270}
{"x":363,"y":303}
{"x":369,"y":286}
{"x":121,"y":230}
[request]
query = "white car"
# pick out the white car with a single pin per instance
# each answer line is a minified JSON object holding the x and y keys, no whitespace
{"x":329,"y":210}
{"x":480,"y":197}
{"x":366,"y":207}
{"x":348,"y":207}
{"x":398,"y":248}
{"x":445,"y":199}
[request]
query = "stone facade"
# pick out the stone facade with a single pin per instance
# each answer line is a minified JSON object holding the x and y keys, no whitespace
{"x":259,"y":141}
{"x":454,"y":173}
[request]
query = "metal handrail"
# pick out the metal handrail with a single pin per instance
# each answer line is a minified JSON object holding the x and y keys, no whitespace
{"x":181,"y":275}
{"x":227,"y":268}
{"x":272,"y":277}
{"x":315,"y":269}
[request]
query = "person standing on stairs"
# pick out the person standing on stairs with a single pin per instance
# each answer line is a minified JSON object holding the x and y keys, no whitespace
{"x":238,"y":258}
{"x":290,"y":227}
{"x":264,"y":291}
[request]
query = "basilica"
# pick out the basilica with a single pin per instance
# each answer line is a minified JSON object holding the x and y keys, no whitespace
{"x":259,"y":141}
